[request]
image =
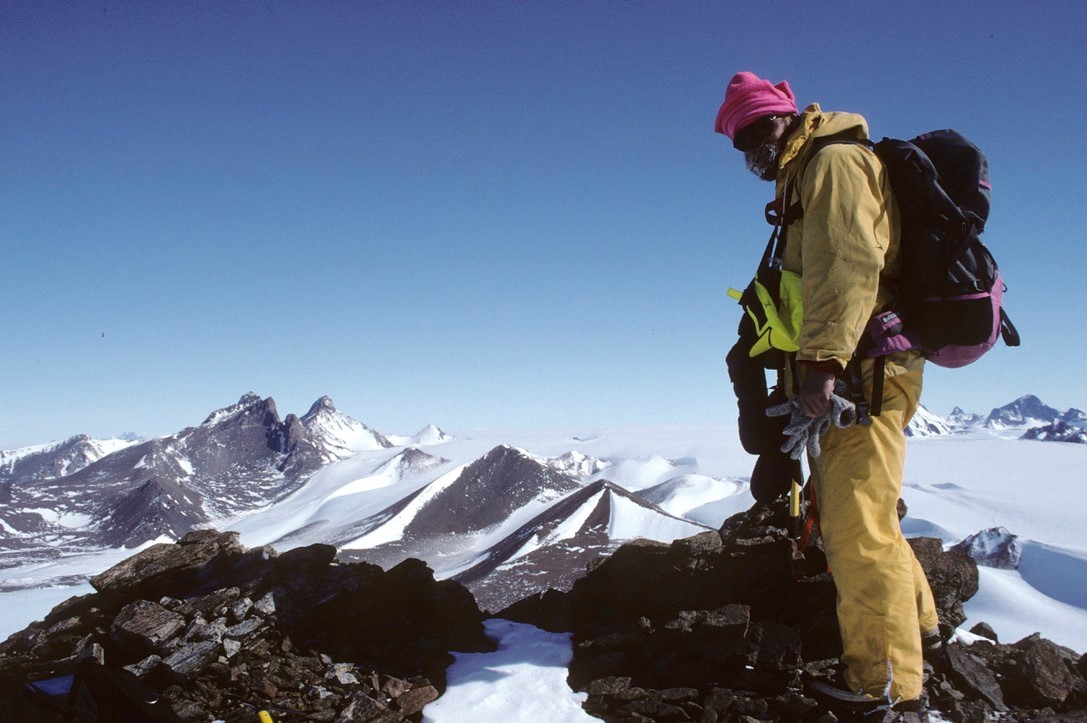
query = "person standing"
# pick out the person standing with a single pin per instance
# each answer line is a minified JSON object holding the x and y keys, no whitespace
{"x":844,"y":245}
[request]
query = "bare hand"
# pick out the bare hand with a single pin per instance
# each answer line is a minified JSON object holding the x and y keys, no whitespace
{"x":815,"y":393}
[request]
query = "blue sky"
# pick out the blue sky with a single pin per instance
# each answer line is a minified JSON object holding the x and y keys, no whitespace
{"x":473,"y":214}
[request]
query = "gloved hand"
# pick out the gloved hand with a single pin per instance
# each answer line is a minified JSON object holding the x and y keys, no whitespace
{"x":803,"y":432}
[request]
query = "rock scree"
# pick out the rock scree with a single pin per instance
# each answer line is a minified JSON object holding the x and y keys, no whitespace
{"x":219,"y":632}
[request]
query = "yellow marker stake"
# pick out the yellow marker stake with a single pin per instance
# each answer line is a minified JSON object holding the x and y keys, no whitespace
{"x":794,"y":509}
{"x":264,"y":717}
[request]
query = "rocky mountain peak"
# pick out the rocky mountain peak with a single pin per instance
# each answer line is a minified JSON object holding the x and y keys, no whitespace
{"x":322,"y":405}
{"x":250,"y":405}
{"x":338,"y":435}
{"x":995,"y":547}
{"x":1024,"y":410}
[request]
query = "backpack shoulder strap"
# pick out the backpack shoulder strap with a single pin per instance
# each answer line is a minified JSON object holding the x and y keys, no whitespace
{"x":796,"y":211}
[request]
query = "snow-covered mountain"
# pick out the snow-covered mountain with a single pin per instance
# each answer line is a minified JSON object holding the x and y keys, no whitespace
{"x":510,"y":523}
{"x":82,"y":494}
{"x":1058,"y":431}
{"x":1027,"y":411}
{"x":927,"y":424}
{"x":428,"y":435}
{"x":56,"y":459}
{"x":963,"y":419}
{"x":995,"y":547}
{"x":556,"y":545}
{"x":338,"y":435}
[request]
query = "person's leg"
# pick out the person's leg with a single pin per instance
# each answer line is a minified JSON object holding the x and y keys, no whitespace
{"x":858,"y":479}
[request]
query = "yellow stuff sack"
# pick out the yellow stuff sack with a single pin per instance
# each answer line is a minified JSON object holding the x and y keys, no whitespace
{"x":777,"y":325}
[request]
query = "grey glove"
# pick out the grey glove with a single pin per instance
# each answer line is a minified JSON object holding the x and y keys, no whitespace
{"x":804,"y":432}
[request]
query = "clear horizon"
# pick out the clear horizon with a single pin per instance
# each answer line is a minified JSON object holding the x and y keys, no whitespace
{"x":473,"y":215}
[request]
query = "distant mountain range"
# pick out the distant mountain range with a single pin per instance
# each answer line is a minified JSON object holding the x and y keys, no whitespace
{"x":1028,"y":417}
{"x":84,"y":493}
{"x":504,"y":521}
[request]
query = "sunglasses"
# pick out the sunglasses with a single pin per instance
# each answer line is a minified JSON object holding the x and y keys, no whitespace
{"x":754,"y":134}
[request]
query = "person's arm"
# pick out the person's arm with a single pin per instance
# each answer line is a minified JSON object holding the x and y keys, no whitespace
{"x":845,"y":239}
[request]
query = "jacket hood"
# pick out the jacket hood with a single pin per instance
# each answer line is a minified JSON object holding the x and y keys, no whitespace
{"x":815,"y":123}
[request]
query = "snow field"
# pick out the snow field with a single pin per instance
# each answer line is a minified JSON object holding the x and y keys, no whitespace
{"x":524,"y":681}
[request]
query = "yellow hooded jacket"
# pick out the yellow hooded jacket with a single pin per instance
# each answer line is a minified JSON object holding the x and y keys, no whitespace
{"x":845,"y":246}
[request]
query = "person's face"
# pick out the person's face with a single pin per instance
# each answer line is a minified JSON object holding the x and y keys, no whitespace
{"x":761,"y":142}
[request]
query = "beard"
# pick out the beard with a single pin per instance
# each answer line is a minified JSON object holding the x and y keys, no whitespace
{"x":763,"y":161}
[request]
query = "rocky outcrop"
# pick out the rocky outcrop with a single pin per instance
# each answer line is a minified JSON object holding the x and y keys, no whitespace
{"x":995,"y":547}
{"x":1057,"y":431}
{"x":726,"y":626}
{"x":218,"y":630}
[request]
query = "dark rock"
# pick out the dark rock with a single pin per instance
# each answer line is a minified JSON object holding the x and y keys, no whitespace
{"x":1051,"y":680}
{"x":986,"y":631}
{"x":242,"y":629}
{"x":165,"y":569}
{"x":192,"y":658}
{"x":394,"y":687}
{"x":971,"y":674}
{"x":147,"y":626}
{"x":305,"y":559}
{"x":266,"y":606}
{"x":608,"y":686}
{"x":679,"y":695}
{"x":549,"y":610}
{"x":704,"y":542}
{"x":754,"y":707}
{"x":364,"y":709}
{"x":793,"y":705}
{"x":777,"y":647}
{"x":413,"y":700}
{"x":953,"y":577}
{"x":656,"y":709}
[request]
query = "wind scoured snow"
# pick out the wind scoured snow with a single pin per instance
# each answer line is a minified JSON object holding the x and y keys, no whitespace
{"x":629,"y":521}
{"x":524,"y":681}
{"x":385,"y":475}
{"x":427,"y":436}
{"x":343,"y":436}
{"x":568,"y":529}
{"x":699,"y":497}
{"x":638,"y":474}
{"x":393,"y":529}
{"x":1015,"y":609}
{"x":21,"y":607}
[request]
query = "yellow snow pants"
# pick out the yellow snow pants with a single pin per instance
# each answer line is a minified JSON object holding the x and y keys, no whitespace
{"x":884,"y":600}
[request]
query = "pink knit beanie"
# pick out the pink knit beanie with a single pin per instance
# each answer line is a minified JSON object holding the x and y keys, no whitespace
{"x":747,"y":98}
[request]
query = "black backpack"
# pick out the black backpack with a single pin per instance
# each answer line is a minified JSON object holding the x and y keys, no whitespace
{"x":949,"y":297}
